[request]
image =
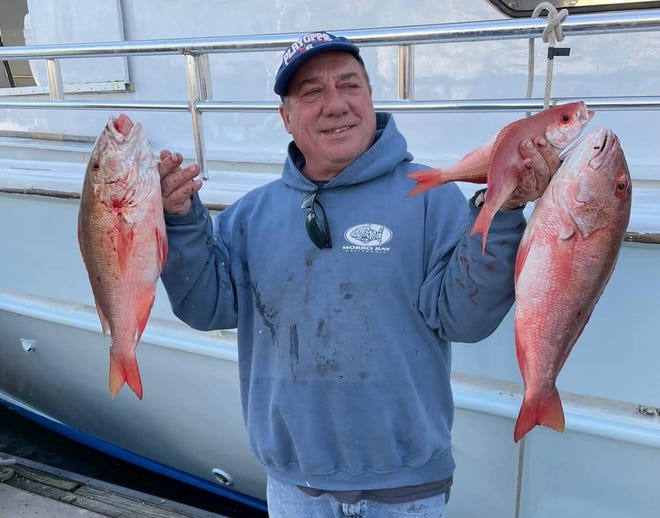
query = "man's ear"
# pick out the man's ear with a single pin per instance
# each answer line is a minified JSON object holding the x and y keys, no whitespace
{"x":285,"y":117}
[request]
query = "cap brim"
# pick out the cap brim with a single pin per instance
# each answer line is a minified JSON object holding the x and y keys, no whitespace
{"x":285,"y":75}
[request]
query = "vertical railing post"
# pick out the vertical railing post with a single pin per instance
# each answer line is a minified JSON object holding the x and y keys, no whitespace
{"x":406,"y":72}
{"x":199,"y":89}
{"x":55,"y":84}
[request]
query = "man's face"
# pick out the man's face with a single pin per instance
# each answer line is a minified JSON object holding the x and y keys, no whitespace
{"x":329,"y":112}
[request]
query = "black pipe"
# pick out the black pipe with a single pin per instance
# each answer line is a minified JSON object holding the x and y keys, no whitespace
{"x":10,"y":76}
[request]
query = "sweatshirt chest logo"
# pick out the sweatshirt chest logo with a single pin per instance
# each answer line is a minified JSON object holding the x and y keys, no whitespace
{"x":367,"y":237}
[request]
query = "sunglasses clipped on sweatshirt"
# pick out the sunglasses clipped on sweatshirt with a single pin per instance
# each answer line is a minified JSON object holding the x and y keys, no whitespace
{"x":316,"y":222}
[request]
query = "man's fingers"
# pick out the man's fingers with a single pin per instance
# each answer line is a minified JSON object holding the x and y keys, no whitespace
{"x":549,"y":154}
{"x":168,"y":162}
{"x":540,"y":164}
{"x":175,"y":179}
{"x":179,"y":200}
{"x":177,"y":184}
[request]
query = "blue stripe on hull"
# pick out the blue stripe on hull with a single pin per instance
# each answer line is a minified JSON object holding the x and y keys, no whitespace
{"x":138,"y":460}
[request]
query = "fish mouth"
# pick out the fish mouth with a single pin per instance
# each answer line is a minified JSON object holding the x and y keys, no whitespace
{"x":122,"y":128}
{"x":604,"y":149}
{"x":123,"y":124}
{"x":599,"y":145}
{"x":603,"y":140}
{"x":588,"y":116}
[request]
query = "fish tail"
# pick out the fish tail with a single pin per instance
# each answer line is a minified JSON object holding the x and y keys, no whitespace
{"x":124,"y":369}
{"x":426,"y":180}
{"x":544,"y":409}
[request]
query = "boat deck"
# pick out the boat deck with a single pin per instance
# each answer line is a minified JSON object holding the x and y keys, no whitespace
{"x":29,"y":489}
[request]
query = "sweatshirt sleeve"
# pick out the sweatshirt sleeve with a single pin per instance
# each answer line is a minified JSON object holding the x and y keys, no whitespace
{"x":467,"y":293}
{"x":197,"y":274}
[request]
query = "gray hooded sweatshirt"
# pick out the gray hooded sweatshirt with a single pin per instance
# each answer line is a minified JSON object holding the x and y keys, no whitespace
{"x":344,"y":352}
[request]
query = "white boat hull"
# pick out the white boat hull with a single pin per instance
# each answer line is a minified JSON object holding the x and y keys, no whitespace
{"x":190,"y":422}
{"x":189,"y":418}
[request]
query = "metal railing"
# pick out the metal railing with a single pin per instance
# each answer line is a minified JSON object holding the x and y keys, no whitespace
{"x":196,"y":51}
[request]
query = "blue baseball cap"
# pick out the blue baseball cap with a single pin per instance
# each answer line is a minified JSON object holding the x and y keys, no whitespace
{"x":305,"y":47}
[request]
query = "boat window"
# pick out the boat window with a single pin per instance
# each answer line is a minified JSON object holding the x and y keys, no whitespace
{"x":522,"y":8}
{"x":17,"y":72}
{"x":44,"y":22}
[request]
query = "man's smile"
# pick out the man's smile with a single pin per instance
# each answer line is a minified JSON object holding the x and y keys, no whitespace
{"x":338,"y":130}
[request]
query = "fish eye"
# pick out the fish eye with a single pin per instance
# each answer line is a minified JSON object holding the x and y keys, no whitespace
{"x":565,"y":118}
{"x":621,"y":186}
{"x":95,"y":165}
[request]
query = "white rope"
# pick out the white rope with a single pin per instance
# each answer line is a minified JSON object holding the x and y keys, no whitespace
{"x":551,"y":35}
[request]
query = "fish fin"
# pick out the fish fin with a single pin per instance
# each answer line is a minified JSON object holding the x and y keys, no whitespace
{"x":144,"y":309}
{"x":123,"y":362}
{"x":507,"y":130}
{"x":496,"y":194}
{"x":426,"y":180}
{"x":544,"y":409}
{"x":105,"y":325}
{"x":124,"y":369}
{"x":125,"y":243}
{"x":520,"y":351}
{"x":161,"y":239}
{"x":482,"y":223}
{"x":590,"y":219}
{"x":521,"y":257}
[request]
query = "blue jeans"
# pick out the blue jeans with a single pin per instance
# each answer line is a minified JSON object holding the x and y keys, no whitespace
{"x":287,"y":501}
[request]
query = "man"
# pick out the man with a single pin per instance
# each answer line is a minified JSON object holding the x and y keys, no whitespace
{"x":346,"y":295}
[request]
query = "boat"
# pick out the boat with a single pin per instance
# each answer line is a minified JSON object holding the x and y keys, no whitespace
{"x":199,"y":78}
{"x":31,"y":487}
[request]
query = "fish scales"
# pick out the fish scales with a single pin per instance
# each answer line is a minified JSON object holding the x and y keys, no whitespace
{"x":122,"y":238}
{"x":566,"y":258}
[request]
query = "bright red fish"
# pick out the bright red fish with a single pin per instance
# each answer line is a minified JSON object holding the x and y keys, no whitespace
{"x":121,"y":233}
{"x":497,"y":161}
{"x":566,"y":257}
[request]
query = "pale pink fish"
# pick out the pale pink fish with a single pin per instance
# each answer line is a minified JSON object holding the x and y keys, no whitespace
{"x":566,"y":257}
{"x":121,"y":233}
{"x":498,"y":161}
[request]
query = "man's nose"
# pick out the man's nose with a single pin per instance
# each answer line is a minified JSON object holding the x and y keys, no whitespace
{"x":334,"y":102}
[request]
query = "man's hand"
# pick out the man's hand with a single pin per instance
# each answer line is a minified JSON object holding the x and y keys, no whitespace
{"x":177,"y":185}
{"x":540,"y":163}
